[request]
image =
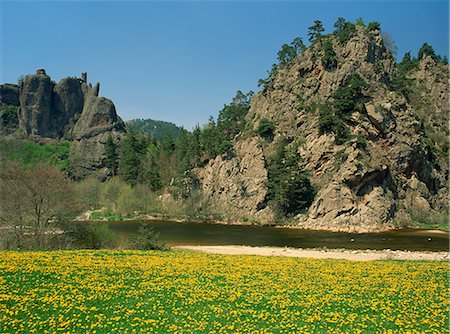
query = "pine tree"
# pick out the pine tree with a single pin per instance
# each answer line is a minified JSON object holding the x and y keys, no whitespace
{"x":315,"y":31}
{"x":111,"y":155}
{"x":130,"y":158}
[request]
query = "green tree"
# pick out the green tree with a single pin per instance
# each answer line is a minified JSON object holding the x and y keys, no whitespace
{"x":315,"y":31}
{"x":360,"y":22}
{"x":111,"y":155}
{"x":130,"y":162}
{"x":183,"y":152}
{"x":231,"y":119}
{"x":426,"y":50}
{"x":329,"y":60}
{"x":150,"y":169}
{"x":211,"y":139}
{"x":346,"y":33}
{"x":373,"y":26}
{"x":286,"y":54}
{"x":266,"y":129}
{"x":298,"y":45}
{"x":340,"y":24}
{"x":289,"y":189}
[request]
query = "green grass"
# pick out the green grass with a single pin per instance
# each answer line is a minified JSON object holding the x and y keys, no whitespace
{"x":188,"y":292}
{"x":29,"y":153}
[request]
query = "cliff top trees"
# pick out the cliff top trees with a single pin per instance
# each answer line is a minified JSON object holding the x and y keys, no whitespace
{"x":315,"y":31}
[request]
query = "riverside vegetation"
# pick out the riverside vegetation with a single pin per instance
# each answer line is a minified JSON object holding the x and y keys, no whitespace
{"x":310,"y":143}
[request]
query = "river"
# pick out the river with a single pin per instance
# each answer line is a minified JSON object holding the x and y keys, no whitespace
{"x":174,"y":233}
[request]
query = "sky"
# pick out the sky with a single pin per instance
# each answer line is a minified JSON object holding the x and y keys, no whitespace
{"x":181,"y":61}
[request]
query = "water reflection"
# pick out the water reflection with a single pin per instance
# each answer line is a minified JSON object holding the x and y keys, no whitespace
{"x":214,"y":234}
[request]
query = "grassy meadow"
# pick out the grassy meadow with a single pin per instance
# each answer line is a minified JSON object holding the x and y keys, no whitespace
{"x":188,"y":292}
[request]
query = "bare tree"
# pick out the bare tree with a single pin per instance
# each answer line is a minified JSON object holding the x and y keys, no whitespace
{"x":389,"y":43}
{"x":35,"y":199}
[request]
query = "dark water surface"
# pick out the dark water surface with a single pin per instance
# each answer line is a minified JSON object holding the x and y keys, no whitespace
{"x":214,"y":234}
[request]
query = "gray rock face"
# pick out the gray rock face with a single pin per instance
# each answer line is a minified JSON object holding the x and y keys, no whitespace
{"x":89,"y":134}
{"x":36,"y":114}
{"x":237,"y":185}
{"x":9,"y":95}
{"x":361,"y":185}
{"x":68,"y":100}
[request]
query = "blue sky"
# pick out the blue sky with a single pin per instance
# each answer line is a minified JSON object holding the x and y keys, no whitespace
{"x":181,"y":61}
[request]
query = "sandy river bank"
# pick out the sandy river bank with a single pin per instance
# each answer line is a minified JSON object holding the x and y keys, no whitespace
{"x":354,"y":255}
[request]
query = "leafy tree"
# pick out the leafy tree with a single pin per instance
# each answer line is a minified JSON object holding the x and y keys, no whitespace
{"x":266,"y":129}
{"x":426,"y":50}
{"x":445,"y":60}
{"x":111,"y":155}
{"x":315,"y":31}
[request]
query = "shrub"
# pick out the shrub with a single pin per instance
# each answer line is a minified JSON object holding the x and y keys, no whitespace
{"x":91,"y":235}
{"x":329,"y":60}
{"x":373,"y":26}
{"x":88,"y":193}
{"x":147,"y":239}
{"x":266,"y":129}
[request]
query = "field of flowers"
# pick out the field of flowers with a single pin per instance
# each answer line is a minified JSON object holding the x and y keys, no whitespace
{"x":185,"y":292}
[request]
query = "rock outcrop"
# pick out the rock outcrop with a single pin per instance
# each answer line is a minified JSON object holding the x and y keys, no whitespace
{"x":364,"y":183}
{"x":36,"y":113}
{"x":237,"y":184}
{"x":97,"y":122}
{"x":70,"y":110}
{"x":9,"y":95}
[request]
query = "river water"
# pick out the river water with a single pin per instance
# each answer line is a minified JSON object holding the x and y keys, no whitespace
{"x":174,"y":233}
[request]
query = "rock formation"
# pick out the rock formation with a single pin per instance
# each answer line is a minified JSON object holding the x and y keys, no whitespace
{"x":365,"y":183}
{"x":70,"y":110}
{"x":9,"y":95}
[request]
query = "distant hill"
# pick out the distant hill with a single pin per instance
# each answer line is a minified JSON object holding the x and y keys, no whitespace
{"x":159,"y":129}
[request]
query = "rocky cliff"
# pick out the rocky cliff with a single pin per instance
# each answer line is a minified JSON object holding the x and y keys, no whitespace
{"x":372,"y":179}
{"x":69,"y":110}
